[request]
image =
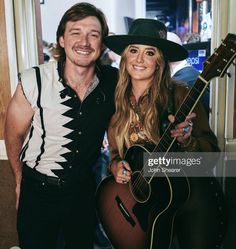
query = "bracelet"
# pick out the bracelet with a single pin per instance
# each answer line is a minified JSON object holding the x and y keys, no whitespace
{"x":185,"y":145}
{"x":191,"y":145}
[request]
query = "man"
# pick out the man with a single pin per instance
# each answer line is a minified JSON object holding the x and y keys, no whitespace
{"x":183,"y":71}
{"x":54,"y":129}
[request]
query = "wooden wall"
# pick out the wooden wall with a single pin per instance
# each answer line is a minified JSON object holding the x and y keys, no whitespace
{"x":8,"y":235}
{"x":5,"y":91}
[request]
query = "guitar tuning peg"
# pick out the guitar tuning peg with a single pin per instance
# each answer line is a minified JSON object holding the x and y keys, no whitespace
{"x":228,"y":74}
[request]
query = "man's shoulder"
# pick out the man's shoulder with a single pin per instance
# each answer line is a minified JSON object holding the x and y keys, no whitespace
{"x":39,"y":72}
{"x":49,"y":65}
{"x":107,"y":70}
{"x":187,"y":74}
{"x":189,"y":70}
{"x":45,"y":66}
{"x":108,"y":75}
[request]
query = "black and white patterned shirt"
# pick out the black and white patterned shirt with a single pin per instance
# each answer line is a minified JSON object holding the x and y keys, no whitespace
{"x":66,"y":134}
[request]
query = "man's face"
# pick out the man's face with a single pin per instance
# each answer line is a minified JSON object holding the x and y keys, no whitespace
{"x":82,"y":41}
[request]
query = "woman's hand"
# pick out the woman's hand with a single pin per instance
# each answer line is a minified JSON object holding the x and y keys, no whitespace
{"x":121,"y":171}
{"x":182,"y":131}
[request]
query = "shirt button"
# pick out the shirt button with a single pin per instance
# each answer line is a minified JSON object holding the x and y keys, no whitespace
{"x":79,"y":132}
{"x":80,"y":113}
{"x":77,"y":151}
{"x":70,"y":167}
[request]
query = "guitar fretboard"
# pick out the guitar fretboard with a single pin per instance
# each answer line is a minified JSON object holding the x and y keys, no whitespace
{"x":216,"y":65}
{"x":186,"y":107}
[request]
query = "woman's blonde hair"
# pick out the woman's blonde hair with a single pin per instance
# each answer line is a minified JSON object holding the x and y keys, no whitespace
{"x":158,"y":96}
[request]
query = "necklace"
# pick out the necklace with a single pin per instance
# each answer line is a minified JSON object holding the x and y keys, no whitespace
{"x":136,"y":127}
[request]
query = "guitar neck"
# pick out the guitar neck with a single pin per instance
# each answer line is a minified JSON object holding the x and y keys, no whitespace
{"x":184,"y":110}
{"x":215,"y":65}
{"x":191,"y":99}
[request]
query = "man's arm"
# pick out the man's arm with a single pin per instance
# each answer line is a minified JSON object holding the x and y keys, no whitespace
{"x":18,"y":120}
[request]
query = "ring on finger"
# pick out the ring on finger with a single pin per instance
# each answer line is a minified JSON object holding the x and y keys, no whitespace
{"x":186,"y":130}
{"x":190,"y":123}
{"x":124,"y":172}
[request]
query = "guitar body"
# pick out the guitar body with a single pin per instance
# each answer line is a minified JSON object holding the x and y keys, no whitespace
{"x":140,"y":215}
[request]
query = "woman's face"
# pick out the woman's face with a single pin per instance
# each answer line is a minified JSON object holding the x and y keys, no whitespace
{"x":142,"y":62}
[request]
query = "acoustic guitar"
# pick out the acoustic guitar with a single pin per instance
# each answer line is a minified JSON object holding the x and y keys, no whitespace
{"x":140,"y":214}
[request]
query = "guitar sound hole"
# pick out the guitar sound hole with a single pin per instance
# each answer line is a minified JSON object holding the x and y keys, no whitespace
{"x":140,"y":187}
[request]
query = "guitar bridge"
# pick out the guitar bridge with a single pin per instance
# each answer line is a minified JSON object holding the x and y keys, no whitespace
{"x":124,"y":211}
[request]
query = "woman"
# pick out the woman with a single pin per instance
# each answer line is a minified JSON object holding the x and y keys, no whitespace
{"x":145,"y":96}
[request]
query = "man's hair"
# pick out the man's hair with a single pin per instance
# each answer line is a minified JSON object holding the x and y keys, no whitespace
{"x":77,"y":12}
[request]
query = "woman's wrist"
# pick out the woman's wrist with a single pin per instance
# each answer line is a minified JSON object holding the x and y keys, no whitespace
{"x":111,"y":165}
{"x":187,"y":142}
{"x":190,"y":144}
{"x":109,"y":168}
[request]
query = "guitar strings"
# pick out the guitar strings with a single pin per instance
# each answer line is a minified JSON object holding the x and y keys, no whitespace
{"x":183,"y":111}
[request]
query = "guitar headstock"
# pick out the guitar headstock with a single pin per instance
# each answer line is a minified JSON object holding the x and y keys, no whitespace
{"x":217,"y":64}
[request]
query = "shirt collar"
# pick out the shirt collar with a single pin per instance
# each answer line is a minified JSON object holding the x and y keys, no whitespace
{"x":92,"y":86}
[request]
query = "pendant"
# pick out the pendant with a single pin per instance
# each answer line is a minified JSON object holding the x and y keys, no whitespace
{"x":134,"y":137}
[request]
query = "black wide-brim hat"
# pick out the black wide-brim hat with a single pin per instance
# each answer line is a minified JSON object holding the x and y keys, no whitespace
{"x":147,"y":32}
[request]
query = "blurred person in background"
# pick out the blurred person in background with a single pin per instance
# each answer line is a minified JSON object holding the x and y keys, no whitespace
{"x":184,"y":72}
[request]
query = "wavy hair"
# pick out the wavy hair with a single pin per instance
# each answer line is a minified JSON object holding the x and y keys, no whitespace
{"x":158,"y":96}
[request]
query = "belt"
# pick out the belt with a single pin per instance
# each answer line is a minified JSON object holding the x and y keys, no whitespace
{"x":41,"y":178}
